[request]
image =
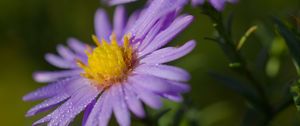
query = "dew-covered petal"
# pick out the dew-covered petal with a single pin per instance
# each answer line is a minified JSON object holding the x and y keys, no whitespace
{"x":151,"y":99}
{"x":87,"y":111}
{"x":47,"y":91}
{"x":47,"y":76}
{"x":168,"y":34}
{"x":119,"y":106}
{"x":76,"y":45}
{"x":65,"y":52}
{"x":119,"y":21}
{"x":163,"y":71}
{"x":101,"y":112}
{"x":66,"y":112}
{"x":102,"y":25}
{"x":169,"y":54}
{"x":47,"y":104}
{"x":150,"y":83}
{"x":133,"y":102}
{"x":59,"y":61}
{"x":156,"y":10}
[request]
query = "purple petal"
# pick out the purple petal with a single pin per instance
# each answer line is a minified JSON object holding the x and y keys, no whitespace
{"x":101,"y":112}
{"x":47,"y":91}
{"x":132,"y":19}
{"x":179,"y":87}
{"x":76,"y":45}
{"x":77,"y":84}
{"x":163,"y":71}
{"x":102,"y":25}
{"x":218,"y":4}
{"x":87,"y":111}
{"x":47,"y":104}
{"x":197,"y":2}
{"x":167,"y":35}
{"x":150,"y":35}
{"x":119,"y":21}
{"x":116,"y":2}
{"x":150,"y":83}
{"x":54,"y":76}
{"x":133,"y":103}
{"x":65,"y":53}
{"x":119,"y":106}
{"x":173,"y":96}
{"x":149,"y":98}
{"x":156,"y":10}
{"x":66,"y":113}
{"x":169,"y":54}
{"x":59,"y":61}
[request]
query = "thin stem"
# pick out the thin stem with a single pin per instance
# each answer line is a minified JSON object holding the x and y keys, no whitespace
{"x":227,"y":44}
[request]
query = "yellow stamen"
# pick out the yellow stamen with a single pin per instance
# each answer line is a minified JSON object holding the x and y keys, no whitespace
{"x":108,"y":63}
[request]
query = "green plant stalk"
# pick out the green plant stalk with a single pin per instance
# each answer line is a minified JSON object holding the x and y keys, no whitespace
{"x":228,"y":47}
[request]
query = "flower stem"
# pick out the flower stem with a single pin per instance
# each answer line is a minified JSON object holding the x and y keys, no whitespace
{"x":227,"y":44}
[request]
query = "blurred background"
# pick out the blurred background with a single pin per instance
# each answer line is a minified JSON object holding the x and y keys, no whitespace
{"x":31,"y":28}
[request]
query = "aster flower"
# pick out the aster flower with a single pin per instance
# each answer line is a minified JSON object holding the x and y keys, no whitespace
{"x":124,"y":71}
{"x":217,"y":4}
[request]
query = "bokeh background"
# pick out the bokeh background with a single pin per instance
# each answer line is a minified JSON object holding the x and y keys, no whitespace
{"x":31,"y":28}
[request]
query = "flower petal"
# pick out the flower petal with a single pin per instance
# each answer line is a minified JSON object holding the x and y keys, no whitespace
{"x":156,"y":10}
{"x":47,"y":104}
{"x":47,"y":76}
{"x":115,"y":2}
{"x":76,"y":45}
{"x":87,"y":111}
{"x":149,"y":98}
{"x":59,"y":61}
{"x":168,"y":34}
{"x":119,"y":21}
{"x":197,"y":2}
{"x":65,"y":52}
{"x":101,"y":112}
{"x":47,"y":91}
{"x":218,"y":4}
{"x":173,"y":96}
{"x":163,"y":71}
{"x":168,"y":54}
{"x":102,"y":25}
{"x":63,"y":115}
{"x":133,"y":103}
{"x":179,"y":87}
{"x":150,"y":83}
{"x":119,"y":106}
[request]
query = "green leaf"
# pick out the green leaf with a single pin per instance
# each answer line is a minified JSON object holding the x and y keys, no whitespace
{"x":291,"y":39}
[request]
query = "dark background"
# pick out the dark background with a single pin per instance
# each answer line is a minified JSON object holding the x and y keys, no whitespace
{"x":30,"y":28}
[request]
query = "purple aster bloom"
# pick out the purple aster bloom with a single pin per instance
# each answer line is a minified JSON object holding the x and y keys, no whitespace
{"x":125,"y":69}
{"x":217,"y":4}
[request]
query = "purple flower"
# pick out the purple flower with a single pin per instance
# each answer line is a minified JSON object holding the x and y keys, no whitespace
{"x":217,"y":4}
{"x":124,"y":70}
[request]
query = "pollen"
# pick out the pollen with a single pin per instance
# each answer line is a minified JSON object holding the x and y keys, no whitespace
{"x":109,"y":62}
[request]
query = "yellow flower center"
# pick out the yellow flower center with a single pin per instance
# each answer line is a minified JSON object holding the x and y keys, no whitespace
{"x":108,"y":63}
